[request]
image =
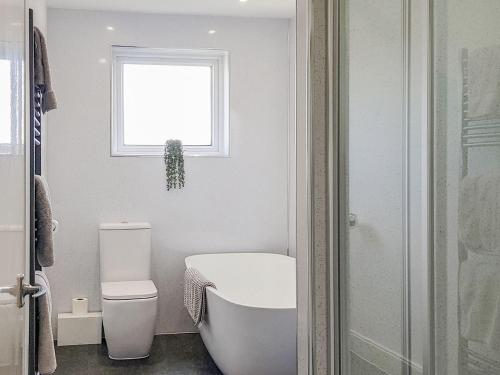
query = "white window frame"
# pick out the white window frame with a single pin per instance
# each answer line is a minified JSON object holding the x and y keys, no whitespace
{"x":217,"y":60}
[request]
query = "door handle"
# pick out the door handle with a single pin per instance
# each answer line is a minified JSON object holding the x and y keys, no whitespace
{"x":353,"y":220}
{"x":22,"y":289}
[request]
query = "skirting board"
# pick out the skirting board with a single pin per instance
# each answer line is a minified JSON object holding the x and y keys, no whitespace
{"x":383,"y":358}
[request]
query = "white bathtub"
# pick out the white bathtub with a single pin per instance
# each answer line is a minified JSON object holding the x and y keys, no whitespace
{"x":251,"y":317}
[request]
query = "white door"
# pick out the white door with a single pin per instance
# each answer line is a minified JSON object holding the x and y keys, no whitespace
{"x":13,"y":172}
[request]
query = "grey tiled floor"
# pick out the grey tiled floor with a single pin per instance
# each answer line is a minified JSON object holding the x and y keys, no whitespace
{"x":170,"y":355}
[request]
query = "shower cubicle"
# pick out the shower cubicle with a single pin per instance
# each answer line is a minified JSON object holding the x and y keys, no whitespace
{"x":419,"y":132}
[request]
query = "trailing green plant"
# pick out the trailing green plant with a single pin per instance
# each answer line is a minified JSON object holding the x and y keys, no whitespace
{"x":174,"y":164}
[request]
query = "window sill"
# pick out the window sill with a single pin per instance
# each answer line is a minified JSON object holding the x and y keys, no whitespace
{"x":187,"y":154}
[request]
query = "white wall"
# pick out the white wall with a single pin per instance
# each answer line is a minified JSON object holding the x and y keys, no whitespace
{"x":39,"y":13}
{"x":228,"y":204}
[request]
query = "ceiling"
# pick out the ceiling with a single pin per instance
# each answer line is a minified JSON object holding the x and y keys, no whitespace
{"x":237,"y":8}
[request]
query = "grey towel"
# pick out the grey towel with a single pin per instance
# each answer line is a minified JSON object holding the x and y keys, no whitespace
{"x":43,"y":215}
{"x":42,"y":72}
{"x":47,"y":362}
{"x":195,"y":295}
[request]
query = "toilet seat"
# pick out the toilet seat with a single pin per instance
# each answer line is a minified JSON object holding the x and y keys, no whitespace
{"x":128,"y":290}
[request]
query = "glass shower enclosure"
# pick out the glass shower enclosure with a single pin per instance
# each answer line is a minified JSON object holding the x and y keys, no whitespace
{"x":419,"y":94}
{"x":467,"y":189}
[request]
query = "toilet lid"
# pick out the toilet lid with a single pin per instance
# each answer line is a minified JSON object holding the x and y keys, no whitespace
{"x":119,"y":290}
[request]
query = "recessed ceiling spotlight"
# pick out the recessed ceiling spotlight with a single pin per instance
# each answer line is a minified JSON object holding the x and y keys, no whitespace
{"x":110,"y":28}
{"x":211,"y":32}
{"x":243,"y":1}
{"x":102,"y":60}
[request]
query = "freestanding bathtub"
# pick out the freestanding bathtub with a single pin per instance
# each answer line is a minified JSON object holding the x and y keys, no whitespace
{"x":251,"y":321}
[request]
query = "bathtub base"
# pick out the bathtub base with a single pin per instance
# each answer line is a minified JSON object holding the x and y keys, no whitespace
{"x":249,"y":341}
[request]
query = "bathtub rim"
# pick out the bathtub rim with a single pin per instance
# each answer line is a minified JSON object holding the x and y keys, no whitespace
{"x":221,"y":295}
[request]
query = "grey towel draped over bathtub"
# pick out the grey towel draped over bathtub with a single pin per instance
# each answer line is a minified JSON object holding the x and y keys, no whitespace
{"x":195,"y":295}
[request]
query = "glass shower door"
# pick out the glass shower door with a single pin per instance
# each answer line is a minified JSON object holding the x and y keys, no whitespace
{"x":467,"y":136}
{"x":384,"y":259}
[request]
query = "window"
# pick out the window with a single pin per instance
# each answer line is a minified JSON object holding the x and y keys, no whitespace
{"x":5,"y":102}
{"x":161,"y":94}
{"x":11,"y":107}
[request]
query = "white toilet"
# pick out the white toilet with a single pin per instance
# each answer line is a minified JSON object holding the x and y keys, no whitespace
{"x":129,"y":297}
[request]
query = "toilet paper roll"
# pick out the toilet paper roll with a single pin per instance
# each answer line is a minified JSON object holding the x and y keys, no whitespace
{"x":80,"y":306}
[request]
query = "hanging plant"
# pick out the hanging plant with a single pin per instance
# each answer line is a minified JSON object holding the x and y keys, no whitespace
{"x":174,"y":164}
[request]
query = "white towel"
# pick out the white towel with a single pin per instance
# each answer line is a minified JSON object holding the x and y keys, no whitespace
{"x":468,"y":214}
{"x":479,"y":288}
{"x":484,"y":82}
{"x":479,"y":213}
{"x":47,"y":363}
{"x":489,"y":213}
